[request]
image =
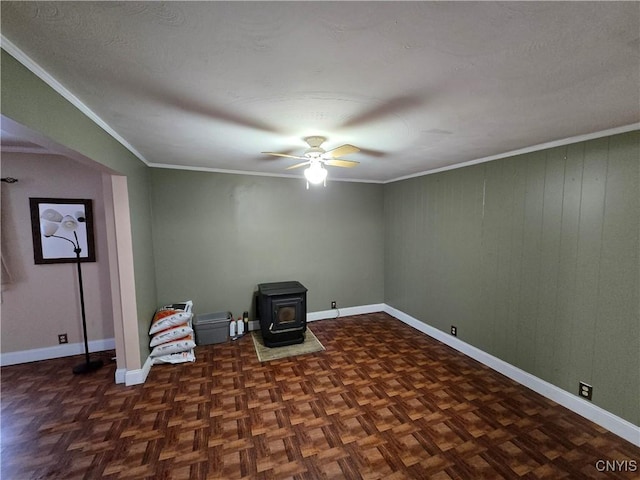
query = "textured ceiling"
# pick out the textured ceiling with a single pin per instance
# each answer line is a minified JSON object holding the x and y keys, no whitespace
{"x":417,"y":86}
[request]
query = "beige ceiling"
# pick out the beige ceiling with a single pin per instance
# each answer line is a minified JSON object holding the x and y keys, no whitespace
{"x":417,"y":86}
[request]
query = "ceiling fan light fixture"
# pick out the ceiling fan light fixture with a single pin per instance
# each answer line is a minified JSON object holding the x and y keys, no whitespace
{"x":315,"y":173}
{"x":317,"y":157}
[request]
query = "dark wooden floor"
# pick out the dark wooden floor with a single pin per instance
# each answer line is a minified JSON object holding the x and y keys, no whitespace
{"x":383,"y":401}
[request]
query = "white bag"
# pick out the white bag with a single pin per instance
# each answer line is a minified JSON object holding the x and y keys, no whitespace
{"x":181,"y":357}
{"x":176,"y":346}
{"x":170,"y":334}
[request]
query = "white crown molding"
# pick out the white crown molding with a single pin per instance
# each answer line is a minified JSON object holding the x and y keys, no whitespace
{"x":47,"y":78}
{"x":255,"y":174}
{"x":222,"y":170}
{"x":534,"y":148}
{"x":37,"y":70}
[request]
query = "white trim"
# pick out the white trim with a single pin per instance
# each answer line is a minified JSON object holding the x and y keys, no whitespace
{"x":47,"y":353}
{"x":598,"y":415}
{"x":120,"y":375}
{"x":335,"y":313}
{"x":138,"y":376}
{"x":254,"y":325}
{"x":255,"y":174}
{"x":223,"y":170}
{"x":534,"y":148}
{"x":343,"y":312}
{"x":584,"y":408}
{"x":43,"y":75}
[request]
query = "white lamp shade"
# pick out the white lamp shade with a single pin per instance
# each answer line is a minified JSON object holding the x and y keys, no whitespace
{"x":51,"y":215}
{"x":69,"y":223}
{"x":48,"y":228}
{"x":316,"y":173}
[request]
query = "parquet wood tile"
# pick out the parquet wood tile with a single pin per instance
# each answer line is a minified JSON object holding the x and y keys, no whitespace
{"x":383,"y":401}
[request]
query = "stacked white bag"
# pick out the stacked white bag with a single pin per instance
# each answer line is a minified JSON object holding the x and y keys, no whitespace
{"x":172,"y":337}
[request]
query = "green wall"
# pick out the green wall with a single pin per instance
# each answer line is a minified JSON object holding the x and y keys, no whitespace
{"x":534,"y":258}
{"x":218,"y":236}
{"x":29,"y":101}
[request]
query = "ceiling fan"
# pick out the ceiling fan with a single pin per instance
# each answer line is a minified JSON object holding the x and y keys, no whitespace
{"x":317,"y":157}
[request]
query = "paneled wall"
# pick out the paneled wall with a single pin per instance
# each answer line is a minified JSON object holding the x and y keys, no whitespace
{"x":534,"y":258}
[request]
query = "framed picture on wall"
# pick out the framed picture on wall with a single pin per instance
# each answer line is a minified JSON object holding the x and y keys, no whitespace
{"x":59,"y":227}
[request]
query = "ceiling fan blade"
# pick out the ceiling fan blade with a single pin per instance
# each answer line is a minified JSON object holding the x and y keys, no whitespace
{"x":391,"y":107}
{"x":341,"y":163}
{"x":373,"y":153}
{"x":341,"y":150}
{"x":297,"y":157}
{"x":297,"y":165}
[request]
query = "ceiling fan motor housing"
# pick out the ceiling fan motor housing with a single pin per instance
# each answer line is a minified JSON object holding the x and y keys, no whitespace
{"x":314,"y":152}
{"x":315,"y":141}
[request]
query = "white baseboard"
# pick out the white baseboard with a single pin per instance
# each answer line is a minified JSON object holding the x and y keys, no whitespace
{"x":584,"y":408}
{"x":120,"y":375}
{"x":254,"y":325}
{"x":131,"y":377}
{"x":57,"y":351}
{"x":344,"y":312}
{"x":138,"y":376}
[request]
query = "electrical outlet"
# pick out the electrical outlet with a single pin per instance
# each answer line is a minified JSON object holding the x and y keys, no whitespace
{"x":454,"y":330}
{"x":586,"y":390}
{"x":62,"y":338}
{"x":333,"y":304}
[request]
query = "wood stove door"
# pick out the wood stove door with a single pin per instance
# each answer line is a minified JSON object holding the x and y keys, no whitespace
{"x":288,"y":315}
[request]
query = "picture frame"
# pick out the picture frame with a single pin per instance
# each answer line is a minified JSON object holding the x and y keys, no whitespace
{"x":59,"y":226}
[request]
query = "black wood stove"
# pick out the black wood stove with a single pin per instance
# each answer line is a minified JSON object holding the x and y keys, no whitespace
{"x":282,"y":310}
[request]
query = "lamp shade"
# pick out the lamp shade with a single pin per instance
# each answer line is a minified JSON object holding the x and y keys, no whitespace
{"x":316,"y":173}
{"x":48,"y":228}
{"x":69,"y":223}
{"x":51,"y":215}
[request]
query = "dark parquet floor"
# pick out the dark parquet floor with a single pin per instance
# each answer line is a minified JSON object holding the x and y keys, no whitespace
{"x":382,"y":402}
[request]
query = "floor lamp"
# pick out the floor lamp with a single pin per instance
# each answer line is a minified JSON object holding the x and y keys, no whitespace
{"x":52,"y":221}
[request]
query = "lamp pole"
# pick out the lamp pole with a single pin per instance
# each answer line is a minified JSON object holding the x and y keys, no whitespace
{"x":88,"y":366}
